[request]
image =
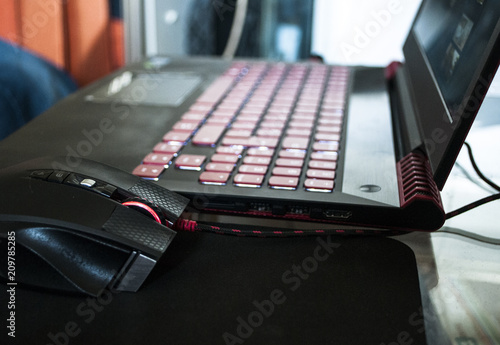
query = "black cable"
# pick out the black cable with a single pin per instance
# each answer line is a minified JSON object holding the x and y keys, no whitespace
{"x":472,"y":205}
{"x":479,"y":202}
{"x":476,"y":169}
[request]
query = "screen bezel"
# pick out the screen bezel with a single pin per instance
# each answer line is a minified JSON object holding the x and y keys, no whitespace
{"x":441,"y":137}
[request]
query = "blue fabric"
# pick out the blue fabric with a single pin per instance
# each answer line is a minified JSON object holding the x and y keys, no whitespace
{"x":29,"y":85}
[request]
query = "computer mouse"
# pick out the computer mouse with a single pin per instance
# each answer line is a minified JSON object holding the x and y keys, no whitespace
{"x":85,"y":227}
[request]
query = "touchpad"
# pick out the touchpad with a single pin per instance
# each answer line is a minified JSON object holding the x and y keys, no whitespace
{"x":160,"y":89}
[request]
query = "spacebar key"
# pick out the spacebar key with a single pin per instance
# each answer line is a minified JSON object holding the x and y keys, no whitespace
{"x":208,"y":135}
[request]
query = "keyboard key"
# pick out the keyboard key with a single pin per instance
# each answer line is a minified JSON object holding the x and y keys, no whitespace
{"x":291,"y":163}
{"x":325,"y":156}
{"x":185,"y":126}
{"x":218,"y":178}
{"x":260,"y":152}
{"x":167,"y":148}
{"x":327,"y":136}
{"x":321,"y":174}
{"x":176,"y":137}
{"x":192,"y":117}
{"x":219,"y":167}
{"x":269,"y":132}
{"x":295,"y":143}
{"x":248,"y":180}
{"x":291,"y":172}
{"x":229,"y":141}
{"x":253,"y":169}
{"x":158,"y":158}
{"x":208,"y":135}
{"x":318,"y":185}
{"x":283,"y":182}
{"x":239,"y":133}
{"x":326,"y":146}
{"x":227,"y":159}
{"x":328,"y":129}
{"x":256,"y":160}
{"x":322,"y":165}
{"x":292,"y":154}
{"x":243,"y":125}
{"x":263,"y":142}
{"x":190,"y":162}
{"x":148,"y":171}
{"x":230,"y":150}
{"x":299,"y":132}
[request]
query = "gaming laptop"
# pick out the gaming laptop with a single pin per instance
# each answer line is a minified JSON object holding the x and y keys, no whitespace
{"x":281,"y":144}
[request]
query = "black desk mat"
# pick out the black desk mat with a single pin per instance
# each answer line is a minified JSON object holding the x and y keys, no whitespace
{"x":214,"y":289}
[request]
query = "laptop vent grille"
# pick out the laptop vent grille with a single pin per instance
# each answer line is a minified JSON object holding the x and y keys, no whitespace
{"x":415,"y":180}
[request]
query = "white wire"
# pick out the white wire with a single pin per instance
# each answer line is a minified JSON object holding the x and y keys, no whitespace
{"x":236,"y":29}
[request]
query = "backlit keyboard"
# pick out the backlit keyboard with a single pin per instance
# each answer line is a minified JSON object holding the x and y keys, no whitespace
{"x":270,"y":125}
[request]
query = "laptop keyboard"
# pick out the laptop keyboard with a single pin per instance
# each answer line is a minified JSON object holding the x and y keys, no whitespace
{"x":270,"y":124}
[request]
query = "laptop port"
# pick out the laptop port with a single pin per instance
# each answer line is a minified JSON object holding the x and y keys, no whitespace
{"x":337,"y":214}
{"x":302,"y":210}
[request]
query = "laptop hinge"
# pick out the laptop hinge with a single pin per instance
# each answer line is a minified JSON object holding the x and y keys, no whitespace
{"x":406,"y":133}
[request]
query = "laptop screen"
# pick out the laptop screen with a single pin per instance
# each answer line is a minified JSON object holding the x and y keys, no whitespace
{"x":452,"y":54}
{"x":455,"y":35}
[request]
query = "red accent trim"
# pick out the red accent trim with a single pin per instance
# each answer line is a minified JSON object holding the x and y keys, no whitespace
{"x":416,"y":181}
{"x":144,"y":207}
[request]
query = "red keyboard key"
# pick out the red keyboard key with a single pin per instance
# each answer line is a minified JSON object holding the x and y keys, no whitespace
{"x":228,"y":141}
{"x":283,"y":182}
{"x":185,"y":126}
{"x":256,"y":160}
{"x":321,"y":174}
{"x":219,"y":178}
{"x":292,"y":154}
{"x":148,"y":171}
{"x":227,"y":159}
{"x":290,"y":163}
{"x":299,"y":132}
{"x":326,"y":146}
{"x":190,"y":162}
{"x":192,"y":117}
{"x":176,"y":137}
{"x":219,"y":167}
{"x":292,"y":172}
{"x":158,"y":158}
{"x":239,"y":133}
{"x":263,"y":142}
{"x":328,"y":121}
{"x":243,"y":125}
{"x":219,"y":120}
{"x":319,"y":185}
{"x":322,"y":165}
{"x":325,"y":156}
{"x":269,"y":132}
{"x":229,"y":150}
{"x":327,"y":136}
{"x":167,"y":148}
{"x":248,"y":180}
{"x":328,"y":129}
{"x":253,"y":169}
{"x":295,"y":143}
{"x":208,"y":135}
{"x":272,"y":124}
{"x":260,"y":152}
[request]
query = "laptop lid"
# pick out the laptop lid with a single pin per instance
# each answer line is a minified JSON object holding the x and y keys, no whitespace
{"x":452,"y":53}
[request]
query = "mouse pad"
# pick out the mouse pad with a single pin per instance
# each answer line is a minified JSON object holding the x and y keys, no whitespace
{"x":215,"y":289}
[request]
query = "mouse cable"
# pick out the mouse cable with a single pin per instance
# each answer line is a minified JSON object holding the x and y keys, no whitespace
{"x":479,"y":202}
